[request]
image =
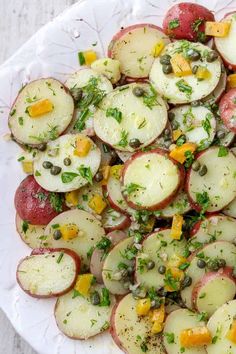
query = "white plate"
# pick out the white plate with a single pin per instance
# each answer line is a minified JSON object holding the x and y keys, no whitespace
{"x":53,"y":52}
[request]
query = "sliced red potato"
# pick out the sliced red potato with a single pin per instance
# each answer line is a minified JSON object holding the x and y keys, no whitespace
{"x":49,"y":124}
{"x":225,"y":46}
{"x":135,"y":60}
{"x":77,"y":318}
{"x":151,"y":180}
{"x":48,"y":272}
{"x":224,"y":135}
{"x":219,"y":325}
{"x":90,"y":231}
{"x":32,"y":235}
{"x":124,"y":155}
{"x":230,"y":209}
{"x":80,"y":171}
{"x":122,"y":116}
{"x":180,"y":205}
{"x":227,"y":109}
{"x":220,"y":249}
{"x":130,"y":332}
{"x":217,"y":93}
{"x":157,"y":247}
{"x":218,"y":186}
{"x":113,"y":220}
{"x":214,"y":290}
{"x":176,"y":322}
{"x":185,"y":89}
{"x":116,"y":236}
{"x":111,"y":271}
{"x":107,"y":154}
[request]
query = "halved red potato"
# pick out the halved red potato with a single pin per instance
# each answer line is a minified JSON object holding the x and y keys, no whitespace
{"x":150,"y":180}
{"x":130,"y":331}
{"x":116,"y":236}
{"x":32,"y":235}
{"x":157,"y":247}
{"x":227,"y":109}
{"x":178,"y":90}
{"x":214,"y":290}
{"x":48,"y":272}
{"x":230,"y":209}
{"x":107,"y":154}
{"x":113,"y":220}
{"x":36,"y":205}
{"x":217,"y":93}
{"x":228,"y":136}
{"x":217,"y":188}
{"x":46,"y":126}
{"x":135,"y":59}
{"x":219,"y":325}
{"x":122,"y":116}
{"x":225,"y":46}
{"x":176,"y":322}
{"x":77,"y":318}
{"x":80,"y":171}
{"x":187,"y":21}
{"x":220,"y":249}
{"x":180,"y":205}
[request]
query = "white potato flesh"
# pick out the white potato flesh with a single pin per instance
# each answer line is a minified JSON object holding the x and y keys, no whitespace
{"x":131,"y":331}
{"x":219,"y":90}
{"x":90,"y":232}
{"x":226,"y":45}
{"x":47,"y":274}
{"x":219,"y":181}
{"x":110,"y":266}
{"x":158,"y":247}
{"x":176,"y":322}
{"x":230,"y":209}
{"x":180,"y":205}
{"x":138,"y":121}
{"x":114,"y":220}
{"x":41,"y":129}
{"x":114,"y":194}
{"x":228,"y":136}
{"x":198,"y":124}
{"x":219,"y":325}
{"x":65,"y":148}
{"x":167,"y":85}
{"x":77,"y":318}
{"x":221,"y":249}
{"x":124,"y":155}
{"x":108,"y":67}
{"x":156,"y":176}
{"x":32,"y":235}
{"x":135,"y":59}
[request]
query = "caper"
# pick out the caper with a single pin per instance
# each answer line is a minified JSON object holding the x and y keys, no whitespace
{"x":99,"y":176}
{"x":134,"y":143}
{"x":95,"y":298}
{"x":201,"y":263}
{"x":138,"y":91}
{"x":195,"y":103}
{"x":42,"y":147}
{"x":47,"y":165}
{"x":167,"y":132}
{"x":196,"y":165}
{"x":67,"y":161}
{"x":171,"y":115}
{"x":162,"y":269}
{"x":55,"y":170}
{"x":167,"y":143}
{"x":175,"y":124}
{"x":220,"y":134}
{"x":194,"y":69}
{"x":150,"y":265}
{"x":57,"y":235}
{"x":165,"y":59}
{"x":213,"y":264}
{"x":211,"y":56}
{"x":221,"y":263}
{"x":76,"y":93}
{"x":193,"y":54}
{"x":167,"y":69}
{"x":203,"y":170}
{"x":113,"y":157}
{"x":186,"y":282}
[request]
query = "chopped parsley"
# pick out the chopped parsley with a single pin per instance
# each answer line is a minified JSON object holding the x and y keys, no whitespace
{"x":183,"y":86}
{"x":104,"y":244}
{"x":124,"y":139}
{"x":60,"y":257}
{"x":202,"y":316}
{"x":114,"y":113}
{"x":189,"y":158}
{"x":86,"y":173}
{"x":196,"y":24}
{"x":150,"y":99}
{"x":80,"y":123}
{"x":170,"y":337}
{"x":21,"y":121}
{"x":144,"y":347}
{"x":81,"y":58}
{"x":105,"y":298}
{"x":203,"y":200}
{"x":170,"y":281}
{"x":21,"y":159}
{"x":56,"y":201}
{"x":68,"y":177}
{"x":13,"y":112}
{"x":206,"y":124}
{"x":37,"y":173}
{"x":223,"y":151}
{"x":173,"y":24}
{"x":41,"y":196}
{"x":133,"y":187}
{"x":25,"y":226}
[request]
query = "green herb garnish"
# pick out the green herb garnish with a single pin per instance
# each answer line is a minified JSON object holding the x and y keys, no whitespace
{"x":173,"y":24}
{"x":86,"y":173}
{"x":114,"y":113}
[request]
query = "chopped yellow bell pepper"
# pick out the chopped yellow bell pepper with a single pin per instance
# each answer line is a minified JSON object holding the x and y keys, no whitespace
{"x":69,"y":231}
{"x":158,"y":315}
{"x":231,"y":335}
{"x":176,"y":261}
{"x":83,"y":283}
{"x":217,"y":29}
{"x":87,"y":57}
{"x":143,"y":306}
{"x":231,"y":81}
{"x":180,"y":65}
{"x":72,"y":198}
{"x":115,"y":171}
{"x":157,"y":327}
{"x":203,"y":73}
{"x":158,"y":48}
{"x":106,"y":172}
{"x":195,"y":337}
{"x":83,"y":146}
{"x":40,"y":108}
{"x":177,"y":275}
{"x":176,"y":227}
{"x":176,"y":134}
{"x":178,"y":154}
{"x":97,"y":203}
{"x":27,"y":167}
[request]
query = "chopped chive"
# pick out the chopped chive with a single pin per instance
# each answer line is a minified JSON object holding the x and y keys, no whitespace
{"x":60,"y":257}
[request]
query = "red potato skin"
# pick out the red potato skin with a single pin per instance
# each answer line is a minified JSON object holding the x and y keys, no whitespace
{"x":227,"y":109}
{"x":197,"y":225}
{"x":38,"y":251}
{"x":111,"y":202}
{"x":123,"y":225}
{"x":29,"y":207}
{"x":116,"y":236}
{"x":187,"y":14}
{"x":171,"y":197}
{"x":113,"y":329}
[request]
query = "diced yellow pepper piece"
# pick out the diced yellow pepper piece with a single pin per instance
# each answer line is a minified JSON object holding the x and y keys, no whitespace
{"x":157,"y":327}
{"x":176,"y":134}
{"x":83,"y":146}
{"x":203,"y":73}
{"x":97,"y":203}
{"x":89,"y":57}
{"x":231,"y":335}
{"x":180,"y":65}
{"x":158,"y":315}
{"x":106,"y":173}
{"x":115,"y":171}
{"x":217,"y":29}
{"x":176,"y":227}
{"x":27,"y":167}
{"x":143,"y":306}
{"x":69,"y":231}
{"x":231,"y":81}
{"x":177,"y":275}
{"x":178,"y":154}
{"x":72,"y":198}
{"x":176,"y":260}
{"x":83,"y":283}
{"x":195,"y":337}
{"x":40,"y":108}
{"x":158,"y":48}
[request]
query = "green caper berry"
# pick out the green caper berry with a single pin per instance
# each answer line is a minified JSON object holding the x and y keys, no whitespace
{"x":167,"y":69}
{"x":95,"y":298}
{"x":186,"y":282}
{"x":55,"y":170}
{"x":42,"y":147}
{"x":202,"y":170}
{"x":162,"y":269}
{"x":138,"y":91}
{"x":213,"y":264}
{"x":76,"y":93}
{"x":150,"y":265}
{"x":47,"y":165}
{"x":67,"y":161}
{"x":134,"y":143}
{"x":194,"y":69}
{"x":201,"y":263}
{"x":175,"y":125}
{"x":220,"y":134}
{"x":165,"y":59}
{"x":193,"y":54}
{"x":221,"y":263}
{"x":57,"y":235}
{"x":99,"y":176}
{"x":211,"y":56}
{"x":196,"y":165}
{"x":114,"y":157}
{"x":167,"y":143}
{"x":167,"y":132}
